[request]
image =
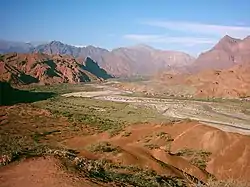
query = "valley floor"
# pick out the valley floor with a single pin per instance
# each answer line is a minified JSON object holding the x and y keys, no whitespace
{"x":99,"y":135}
{"x":228,"y":115}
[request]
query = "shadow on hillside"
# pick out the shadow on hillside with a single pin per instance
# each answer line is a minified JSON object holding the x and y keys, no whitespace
{"x":94,"y":68}
{"x":10,"y":96}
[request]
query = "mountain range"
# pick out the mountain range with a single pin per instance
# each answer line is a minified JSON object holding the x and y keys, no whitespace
{"x":124,"y":61}
{"x":143,"y":59}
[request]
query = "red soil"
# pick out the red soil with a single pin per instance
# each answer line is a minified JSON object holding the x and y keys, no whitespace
{"x":38,"y":172}
{"x":229,"y":159}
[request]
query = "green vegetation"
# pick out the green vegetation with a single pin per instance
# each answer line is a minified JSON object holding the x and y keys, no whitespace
{"x":37,"y":136}
{"x":15,"y":147}
{"x":105,"y":171}
{"x":136,"y":78}
{"x":152,"y":146}
{"x":26,"y":131}
{"x":1,"y":57}
{"x":165,"y":136}
{"x":198,"y":158}
{"x":226,"y":183}
{"x":18,"y":141}
{"x":126,"y":134}
{"x":103,"y":147}
{"x":61,"y":88}
{"x":147,"y":138}
{"x":103,"y":115}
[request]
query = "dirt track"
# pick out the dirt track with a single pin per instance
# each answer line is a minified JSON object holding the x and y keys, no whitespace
{"x":225,"y":116}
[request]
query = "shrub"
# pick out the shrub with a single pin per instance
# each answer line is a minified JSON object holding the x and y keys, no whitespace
{"x":227,"y":183}
{"x":126,"y":134}
{"x":103,"y":147}
{"x":152,"y":146}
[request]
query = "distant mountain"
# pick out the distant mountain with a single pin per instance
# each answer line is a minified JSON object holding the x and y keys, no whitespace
{"x":143,"y":59}
{"x":42,"y":68}
{"x":18,"y":47}
{"x":146,"y":60}
{"x":125,"y":61}
{"x":233,"y":82}
{"x":56,"y":47}
{"x":223,"y":71}
{"x":225,"y":54}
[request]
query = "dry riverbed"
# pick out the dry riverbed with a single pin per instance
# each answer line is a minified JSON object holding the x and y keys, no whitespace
{"x":228,"y":116}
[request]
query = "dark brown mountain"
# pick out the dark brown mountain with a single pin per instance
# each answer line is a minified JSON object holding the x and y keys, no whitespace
{"x":48,"y":69}
{"x":225,"y":54}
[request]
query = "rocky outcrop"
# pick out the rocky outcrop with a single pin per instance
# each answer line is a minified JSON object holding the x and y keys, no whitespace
{"x":48,"y":69}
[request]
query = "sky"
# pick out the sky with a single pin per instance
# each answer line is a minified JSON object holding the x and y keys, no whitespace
{"x":192,"y":26}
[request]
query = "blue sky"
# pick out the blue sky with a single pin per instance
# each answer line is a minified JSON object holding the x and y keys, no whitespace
{"x":186,"y":25}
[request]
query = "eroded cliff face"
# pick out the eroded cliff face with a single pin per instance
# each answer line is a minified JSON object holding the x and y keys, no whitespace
{"x":48,"y":69}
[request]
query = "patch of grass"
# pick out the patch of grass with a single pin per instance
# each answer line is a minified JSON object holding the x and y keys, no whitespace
{"x":18,"y":140}
{"x":161,"y":134}
{"x":168,"y":147}
{"x":107,"y":172}
{"x":147,"y":138}
{"x":198,"y":158}
{"x":1,"y":57}
{"x":61,"y":88}
{"x":90,"y":111}
{"x":126,"y":134}
{"x":29,"y":132}
{"x":227,"y":183}
{"x":36,"y":136}
{"x":165,"y":136}
{"x":136,"y":78}
{"x":103,"y":147}
{"x":199,"y":162}
{"x":15,"y":147}
{"x":152,"y":146}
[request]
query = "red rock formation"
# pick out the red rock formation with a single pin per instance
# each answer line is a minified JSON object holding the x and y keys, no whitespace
{"x":48,"y":69}
{"x":225,"y":54}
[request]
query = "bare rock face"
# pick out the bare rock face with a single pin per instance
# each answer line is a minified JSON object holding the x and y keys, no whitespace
{"x":144,"y":60}
{"x":225,"y":54}
{"x":48,"y":69}
{"x":233,"y":82}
